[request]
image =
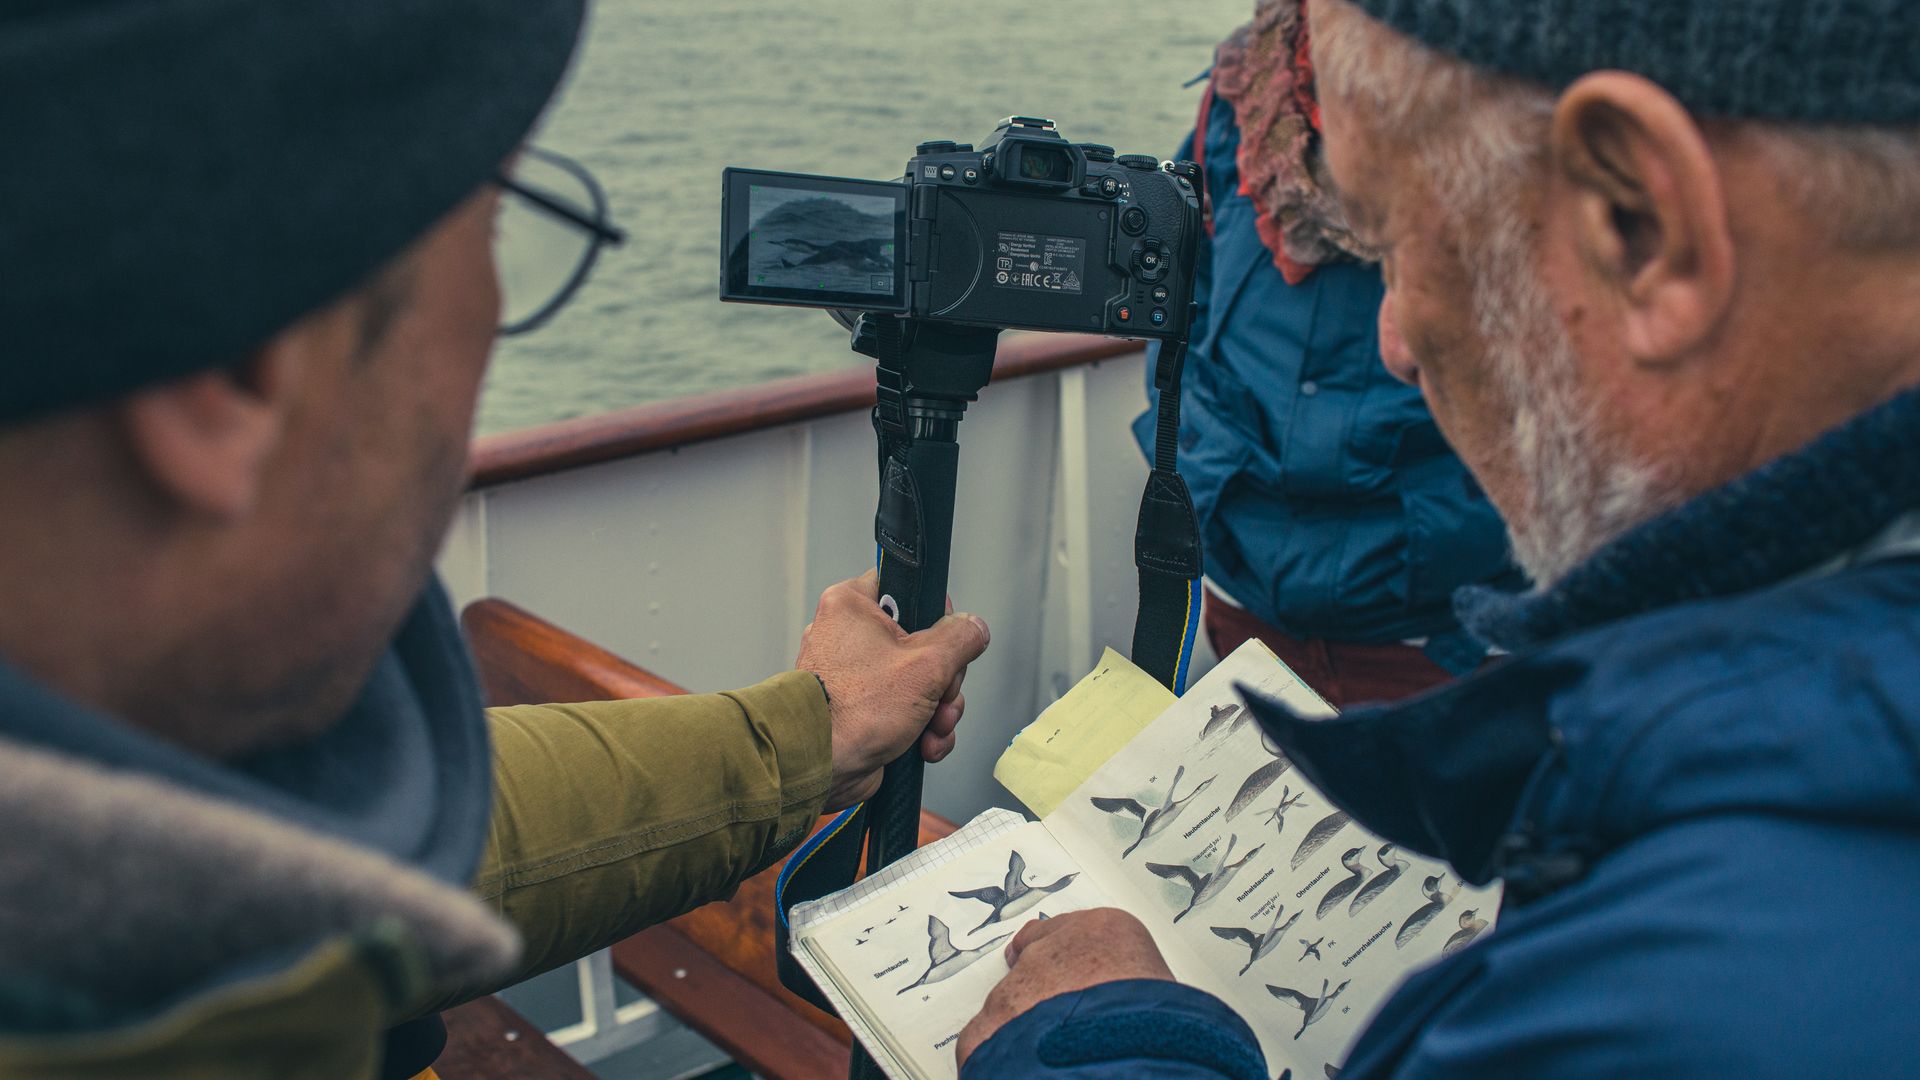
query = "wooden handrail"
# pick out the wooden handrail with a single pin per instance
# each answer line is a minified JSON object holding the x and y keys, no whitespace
{"x":666,"y":425}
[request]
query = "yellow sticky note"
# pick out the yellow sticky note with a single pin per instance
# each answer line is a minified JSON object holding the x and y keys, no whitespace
{"x":1052,"y":756}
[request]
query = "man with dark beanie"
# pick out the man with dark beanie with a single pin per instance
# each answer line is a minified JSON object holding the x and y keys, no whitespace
{"x":1653,"y":264}
{"x":252,"y":815}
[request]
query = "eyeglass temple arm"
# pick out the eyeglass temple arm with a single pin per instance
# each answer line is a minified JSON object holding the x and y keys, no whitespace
{"x":603,"y":231}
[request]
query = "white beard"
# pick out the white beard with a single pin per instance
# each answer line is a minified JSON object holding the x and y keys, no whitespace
{"x":1580,"y":493}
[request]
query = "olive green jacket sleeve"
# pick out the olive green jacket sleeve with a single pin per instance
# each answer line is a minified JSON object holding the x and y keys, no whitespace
{"x":613,"y":816}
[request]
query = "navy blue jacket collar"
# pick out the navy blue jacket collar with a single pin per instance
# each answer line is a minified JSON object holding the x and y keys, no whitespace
{"x":1521,"y":772}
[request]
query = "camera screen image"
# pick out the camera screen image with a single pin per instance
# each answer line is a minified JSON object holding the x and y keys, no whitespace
{"x":805,"y":240}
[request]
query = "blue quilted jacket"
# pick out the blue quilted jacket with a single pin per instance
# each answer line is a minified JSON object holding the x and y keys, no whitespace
{"x":1329,"y":504}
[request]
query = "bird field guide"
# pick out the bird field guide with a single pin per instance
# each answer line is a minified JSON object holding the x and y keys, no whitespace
{"x":1254,"y":886}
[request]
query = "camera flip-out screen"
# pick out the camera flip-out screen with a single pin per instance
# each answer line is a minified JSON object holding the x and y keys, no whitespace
{"x":814,"y":240}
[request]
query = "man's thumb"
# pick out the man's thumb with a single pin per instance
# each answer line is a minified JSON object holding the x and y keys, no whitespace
{"x":959,"y":636}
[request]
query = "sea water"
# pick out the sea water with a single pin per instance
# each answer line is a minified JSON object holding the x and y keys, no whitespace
{"x":669,"y":92}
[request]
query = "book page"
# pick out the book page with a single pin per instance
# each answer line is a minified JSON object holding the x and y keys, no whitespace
{"x":912,"y":958}
{"x":1077,"y":734}
{"x":1254,"y":886}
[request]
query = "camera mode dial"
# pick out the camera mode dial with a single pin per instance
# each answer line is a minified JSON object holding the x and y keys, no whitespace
{"x":937,"y":146}
{"x":1097,"y":152}
{"x":1138,"y":161}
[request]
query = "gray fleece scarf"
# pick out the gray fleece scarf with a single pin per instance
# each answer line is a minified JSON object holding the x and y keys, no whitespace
{"x":133,"y":872}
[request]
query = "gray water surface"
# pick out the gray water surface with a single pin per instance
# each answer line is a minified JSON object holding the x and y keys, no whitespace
{"x":669,"y":92}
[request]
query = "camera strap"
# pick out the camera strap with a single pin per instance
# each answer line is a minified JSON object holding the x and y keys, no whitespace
{"x":912,"y":529}
{"x":1166,"y":543}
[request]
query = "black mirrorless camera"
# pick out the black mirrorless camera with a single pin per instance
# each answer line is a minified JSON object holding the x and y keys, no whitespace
{"x":1028,"y":231}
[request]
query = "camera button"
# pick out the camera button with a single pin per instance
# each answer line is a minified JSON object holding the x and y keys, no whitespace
{"x":1159,"y":317}
{"x":947,"y":172}
{"x":1109,"y":187}
{"x":1160,"y":294}
{"x":971,"y":176}
{"x":1134,"y":221}
{"x":1125,"y":314}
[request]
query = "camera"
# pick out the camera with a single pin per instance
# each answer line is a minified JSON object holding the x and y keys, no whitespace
{"x":1028,"y":231}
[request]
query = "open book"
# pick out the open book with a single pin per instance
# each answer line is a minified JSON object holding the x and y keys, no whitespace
{"x":1255,"y":888}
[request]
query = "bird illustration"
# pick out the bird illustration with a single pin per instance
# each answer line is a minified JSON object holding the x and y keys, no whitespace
{"x":1278,"y":815}
{"x":1229,"y":718}
{"x":1470,"y":926}
{"x":1205,"y":886}
{"x":1437,"y":898}
{"x":1393,"y":868}
{"x":1013,"y":896}
{"x":860,"y":941}
{"x":1345,"y":886}
{"x":1262,"y":779}
{"x":1311,"y":1008}
{"x":945,"y":961}
{"x":1259,"y":945}
{"x":865,"y":255}
{"x":1318,"y":836}
{"x":1157,"y":819}
{"x":1313,"y":948}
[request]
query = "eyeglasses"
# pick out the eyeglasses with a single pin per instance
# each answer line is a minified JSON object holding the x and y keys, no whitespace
{"x":547,"y":237}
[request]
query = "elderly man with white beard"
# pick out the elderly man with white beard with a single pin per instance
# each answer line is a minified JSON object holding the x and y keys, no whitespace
{"x":1654,"y":265}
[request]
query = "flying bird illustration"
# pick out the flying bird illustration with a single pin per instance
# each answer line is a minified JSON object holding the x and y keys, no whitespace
{"x":1205,"y":886}
{"x":1157,"y":819}
{"x":1013,"y":896}
{"x":1278,"y":815}
{"x":1258,"y":945}
{"x":1470,"y":927}
{"x":1393,"y":868}
{"x":1262,"y":779}
{"x":945,"y":961}
{"x":1313,"y":948}
{"x":860,"y":941}
{"x":1318,"y":836}
{"x":1345,"y":886}
{"x":1228,"y":718}
{"x":1437,"y":898}
{"x":1311,"y":1008}
{"x":863,"y":255}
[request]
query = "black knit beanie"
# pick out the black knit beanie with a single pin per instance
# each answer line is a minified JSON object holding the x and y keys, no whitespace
{"x":1829,"y":62}
{"x":181,"y":179}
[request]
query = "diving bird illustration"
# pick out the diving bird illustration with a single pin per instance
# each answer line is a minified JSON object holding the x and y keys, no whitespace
{"x":1312,"y":1009}
{"x":1313,"y":948}
{"x":1227,"y":718}
{"x":945,"y":961}
{"x":1318,"y":836}
{"x":1205,"y":886}
{"x":1437,"y":898}
{"x":1157,"y":819}
{"x":1262,"y":779}
{"x":1278,"y":815}
{"x":1393,"y":868}
{"x":1258,"y":945}
{"x":864,"y":255}
{"x":1470,"y":926}
{"x":1013,"y":896}
{"x":1345,"y":886}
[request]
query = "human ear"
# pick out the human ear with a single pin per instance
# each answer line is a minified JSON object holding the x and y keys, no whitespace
{"x":1641,"y":193}
{"x":203,"y":442}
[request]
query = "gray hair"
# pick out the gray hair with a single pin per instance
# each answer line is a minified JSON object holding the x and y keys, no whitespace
{"x":1480,"y":134}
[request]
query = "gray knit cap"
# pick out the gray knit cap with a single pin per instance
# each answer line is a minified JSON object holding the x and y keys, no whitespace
{"x":1838,"y":62}
{"x":181,"y":179}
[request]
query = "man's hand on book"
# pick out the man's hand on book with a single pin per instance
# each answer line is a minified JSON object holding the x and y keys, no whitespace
{"x":885,"y":688}
{"x":1057,"y":956}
